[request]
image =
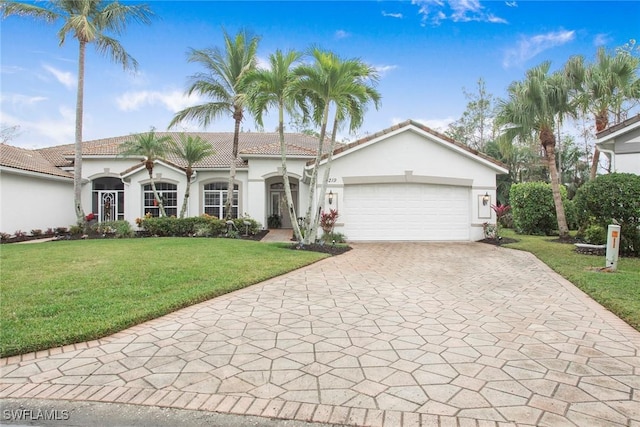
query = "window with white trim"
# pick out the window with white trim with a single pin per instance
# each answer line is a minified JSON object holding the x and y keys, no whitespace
{"x":215,"y":197}
{"x":169,"y":195}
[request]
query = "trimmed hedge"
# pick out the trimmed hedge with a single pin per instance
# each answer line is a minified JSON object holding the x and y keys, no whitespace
{"x":533,"y":209}
{"x":200,"y":226}
{"x":611,"y":197}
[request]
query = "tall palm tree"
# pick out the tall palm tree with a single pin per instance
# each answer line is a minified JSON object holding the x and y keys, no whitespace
{"x":532,"y":108}
{"x":191,"y":149}
{"x":224,"y":83}
{"x":89,"y":21}
{"x":601,"y":88}
{"x":274,"y":87}
{"x":150,"y":147}
{"x":347,"y":86}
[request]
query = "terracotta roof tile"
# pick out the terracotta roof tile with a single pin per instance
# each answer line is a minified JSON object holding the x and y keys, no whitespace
{"x":29,"y":160}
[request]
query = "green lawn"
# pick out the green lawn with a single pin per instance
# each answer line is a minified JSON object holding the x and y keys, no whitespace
{"x":619,"y":291}
{"x":58,"y":293}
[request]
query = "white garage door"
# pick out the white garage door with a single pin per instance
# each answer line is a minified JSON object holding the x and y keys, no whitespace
{"x":406,"y":212}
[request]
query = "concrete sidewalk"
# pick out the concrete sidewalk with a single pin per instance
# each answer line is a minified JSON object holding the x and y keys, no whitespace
{"x":404,"y":334}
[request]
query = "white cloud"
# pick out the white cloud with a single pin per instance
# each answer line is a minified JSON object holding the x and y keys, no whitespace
{"x":18,"y":100}
{"x":601,"y":39}
{"x":529,"y":47}
{"x":45,"y":131}
{"x":392,"y":15}
{"x":341,"y":34}
{"x":11,"y":69}
{"x":173,"y":101}
{"x":64,"y":77}
{"x":384,"y":69}
{"x":511,"y":3}
{"x":262,"y":63}
{"x":436,"y":11}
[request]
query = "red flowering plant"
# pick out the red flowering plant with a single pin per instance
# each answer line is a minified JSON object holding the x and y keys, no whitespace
{"x":328,"y":220}
{"x":500,"y":210}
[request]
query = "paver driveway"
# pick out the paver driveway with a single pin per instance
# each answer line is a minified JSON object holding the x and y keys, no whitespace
{"x":387,"y":334}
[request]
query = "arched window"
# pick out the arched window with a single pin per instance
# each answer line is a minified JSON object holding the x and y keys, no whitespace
{"x":215,"y":197}
{"x":169,"y":195}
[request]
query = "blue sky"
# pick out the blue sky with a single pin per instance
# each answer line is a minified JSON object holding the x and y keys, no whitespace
{"x":427,"y":51}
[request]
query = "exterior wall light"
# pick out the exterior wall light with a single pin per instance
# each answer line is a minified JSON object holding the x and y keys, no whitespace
{"x":485,"y":198}
{"x":330,"y":197}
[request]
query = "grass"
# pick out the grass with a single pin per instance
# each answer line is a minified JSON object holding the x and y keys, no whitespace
{"x":58,"y":293}
{"x":619,"y":292}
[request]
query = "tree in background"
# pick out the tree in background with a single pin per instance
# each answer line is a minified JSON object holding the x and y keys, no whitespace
{"x":605,"y":88}
{"x":224,"y":83}
{"x":191,"y":149}
{"x":89,"y":21}
{"x":475,"y":128}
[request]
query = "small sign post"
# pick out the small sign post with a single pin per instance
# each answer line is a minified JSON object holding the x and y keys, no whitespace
{"x":613,"y":247}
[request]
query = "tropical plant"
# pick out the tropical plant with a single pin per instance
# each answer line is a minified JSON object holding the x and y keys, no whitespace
{"x":533,"y":106}
{"x":612,"y":198}
{"x":225,"y":85}
{"x":532,"y":205}
{"x":150,"y":147}
{"x":346,"y":86}
{"x":89,"y":21}
{"x":274,"y":87}
{"x":191,"y":149}
{"x":602,"y":88}
{"x":328,"y":220}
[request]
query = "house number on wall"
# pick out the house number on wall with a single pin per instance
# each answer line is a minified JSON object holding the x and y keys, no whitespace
{"x":333,"y":180}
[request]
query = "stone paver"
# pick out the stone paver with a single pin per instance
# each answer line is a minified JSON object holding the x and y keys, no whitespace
{"x":387,"y":334}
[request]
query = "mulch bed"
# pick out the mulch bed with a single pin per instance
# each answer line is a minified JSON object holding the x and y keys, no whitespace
{"x":498,"y":242}
{"x":326,"y":249}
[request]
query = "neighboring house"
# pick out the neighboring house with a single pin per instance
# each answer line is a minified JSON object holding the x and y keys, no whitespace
{"x":406,"y":182}
{"x":621,"y":144}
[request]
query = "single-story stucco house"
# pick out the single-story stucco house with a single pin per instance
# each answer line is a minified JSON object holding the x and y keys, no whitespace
{"x":621,"y":144}
{"x":407,"y":182}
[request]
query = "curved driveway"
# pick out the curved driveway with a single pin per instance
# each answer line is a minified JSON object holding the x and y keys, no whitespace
{"x":399,"y":334}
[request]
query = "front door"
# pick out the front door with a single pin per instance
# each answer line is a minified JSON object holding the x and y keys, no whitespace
{"x":107,"y":205}
{"x":278,"y":206}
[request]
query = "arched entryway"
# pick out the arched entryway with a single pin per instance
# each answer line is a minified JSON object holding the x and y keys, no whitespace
{"x":277,"y":201}
{"x":108,"y":198}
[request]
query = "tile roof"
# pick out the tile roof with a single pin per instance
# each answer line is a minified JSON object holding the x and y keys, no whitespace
{"x":29,"y":160}
{"x":420,"y":126}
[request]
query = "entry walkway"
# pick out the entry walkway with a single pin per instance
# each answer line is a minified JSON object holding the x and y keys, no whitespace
{"x":411,"y":334}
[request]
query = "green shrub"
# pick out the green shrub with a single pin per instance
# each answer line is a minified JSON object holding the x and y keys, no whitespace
{"x":595,"y":234}
{"x":119,"y":229}
{"x":533,"y":209}
{"x":611,"y":197}
{"x":201,"y":226}
{"x":36,"y":232}
{"x":76,"y":230}
{"x":334,"y":237}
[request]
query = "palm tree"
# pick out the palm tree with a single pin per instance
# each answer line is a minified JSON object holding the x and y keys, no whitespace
{"x":346,"y":86}
{"x":151,"y":147}
{"x":191,"y":149}
{"x":88,"y":21}
{"x":532,"y":108}
{"x":601,"y":88}
{"x":225,"y":84}
{"x":274,"y":87}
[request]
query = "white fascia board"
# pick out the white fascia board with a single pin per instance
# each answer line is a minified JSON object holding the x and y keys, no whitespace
{"x":6,"y":169}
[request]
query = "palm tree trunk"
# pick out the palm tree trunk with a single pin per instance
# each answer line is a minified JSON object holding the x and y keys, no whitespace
{"x":232,"y":171}
{"x":155,"y":193}
{"x":186,"y":193}
{"x":547,"y":138}
{"x":285,"y":177}
{"x":325,"y":178}
{"x":602,"y":121}
{"x":77,"y":162}
{"x":314,"y":178}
